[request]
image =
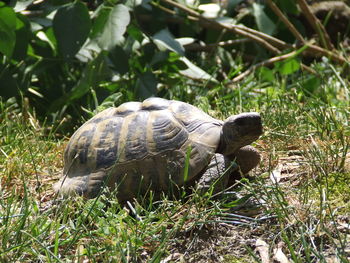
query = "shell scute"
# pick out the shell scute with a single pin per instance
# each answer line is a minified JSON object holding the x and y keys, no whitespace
{"x":135,"y":141}
{"x":127,"y":108}
{"x":168,"y":133}
{"x":155,"y":104}
{"x":106,"y":144}
{"x":82,"y":145}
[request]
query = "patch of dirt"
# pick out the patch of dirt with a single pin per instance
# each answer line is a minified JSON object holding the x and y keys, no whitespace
{"x":215,"y":243}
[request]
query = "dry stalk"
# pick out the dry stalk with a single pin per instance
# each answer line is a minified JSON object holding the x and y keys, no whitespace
{"x":316,"y":24}
{"x":285,"y":20}
{"x":263,"y":64}
{"x":210,"y":47}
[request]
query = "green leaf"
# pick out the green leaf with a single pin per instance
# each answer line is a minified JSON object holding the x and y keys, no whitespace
{"x":288,"y":6}
{"x":288,"y":67}
{"x":164,"y":40}
{"x":146,"y":85}
{"x":111,"y":101}
{"x":133,"y":3}
{"x":110,"y":26}
{"x":231,"y":5}
{"x":119,"y":59}
{"x":95,"y":71}
{"x":71,"y":26}
{"x":311,"y":84}
{"x":22,"y":37}
{"x":22,"y":5}
{"x":194,"y":72}
{"x":266,"y":74}
{"x":264,"y":23}
{"x":7,"y":30}
{"x":9,"y":85}
{"x":159,"y":58}
{"x":135,"y":33}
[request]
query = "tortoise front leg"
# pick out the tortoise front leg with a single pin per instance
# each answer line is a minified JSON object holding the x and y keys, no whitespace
{"x":247,"y":158}
{"x":217,"y":174}
{"x":223,"y":171}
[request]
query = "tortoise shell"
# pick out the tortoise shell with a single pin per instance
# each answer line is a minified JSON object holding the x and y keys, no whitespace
{"x":139,"y":146}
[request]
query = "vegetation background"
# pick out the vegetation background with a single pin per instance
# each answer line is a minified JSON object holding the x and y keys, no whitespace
{"x":61,"y":62}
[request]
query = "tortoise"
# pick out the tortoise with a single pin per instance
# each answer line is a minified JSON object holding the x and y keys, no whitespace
{"x":143,"y":146}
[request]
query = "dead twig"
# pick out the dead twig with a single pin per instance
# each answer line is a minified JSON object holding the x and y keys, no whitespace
{"x":235,"y":29}
{"x":263,"y":64}
{"x":318,"y":51}
{"x":285,"y":20}
{"x":210,"y":47}
{"x":271,"y":43}
{"x":272,"y":40}
{"x":316,"y":24}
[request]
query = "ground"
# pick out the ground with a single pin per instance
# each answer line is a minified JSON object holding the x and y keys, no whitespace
{"x":293,"y":208}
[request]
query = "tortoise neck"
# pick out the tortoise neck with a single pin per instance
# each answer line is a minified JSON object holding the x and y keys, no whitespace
{"x":222,"y":144}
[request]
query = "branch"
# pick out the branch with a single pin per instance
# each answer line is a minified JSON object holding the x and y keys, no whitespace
{"x":210,"y":47}
{"x":271,"y":43}
{"x":316,"y":24}
{"x":285,"y":20}
{"x":235,"y":29}
{"x":264,"y":63}
{"x":272,"y":40}
{"x":319,"y":52}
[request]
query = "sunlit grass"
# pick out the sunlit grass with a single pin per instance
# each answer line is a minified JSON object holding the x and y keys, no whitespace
{"x":305,"y":212}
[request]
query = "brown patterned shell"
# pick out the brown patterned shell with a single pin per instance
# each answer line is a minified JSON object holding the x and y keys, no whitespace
{"x":138,"y":146}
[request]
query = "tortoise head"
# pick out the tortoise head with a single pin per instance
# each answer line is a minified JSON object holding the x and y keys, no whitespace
{"x":240,"y":130}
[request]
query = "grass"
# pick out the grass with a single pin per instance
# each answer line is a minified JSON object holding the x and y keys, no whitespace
{"x":299,"y":196}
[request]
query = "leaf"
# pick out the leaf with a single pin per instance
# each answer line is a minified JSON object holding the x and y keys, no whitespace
{"x":164,"y":40}
{"x":229,"y":21}
{"x":195,"y":72}
{"x":110,"y":101}
{"x":311,"y":84}
{"x":275,"y":175}
{"x":231,"y":5}
{"x":289,"y":6}
{"x":119,"y":59}
{"x":266,"y":74}
{"x":146,"y":85}
{"x":71,"y":26}
{"x":7,"y":30}
{"x":22,"y":5}
{"x":44,"y":37}
{"x":263,"y":248}
{"x":22,"y":37}
{"x":133,"y":3}
{"x":183,"y":41}
{"x":110,"y":26}
{"x":135,"y":32}
{"x":279,"y":256}
{"x":263,"y":22}
{"x":211,"y":10}
{"x":289,"y":66}
{"x":9,"y":85}
{"x":95,"y":71}
{"x":159,"y":58}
